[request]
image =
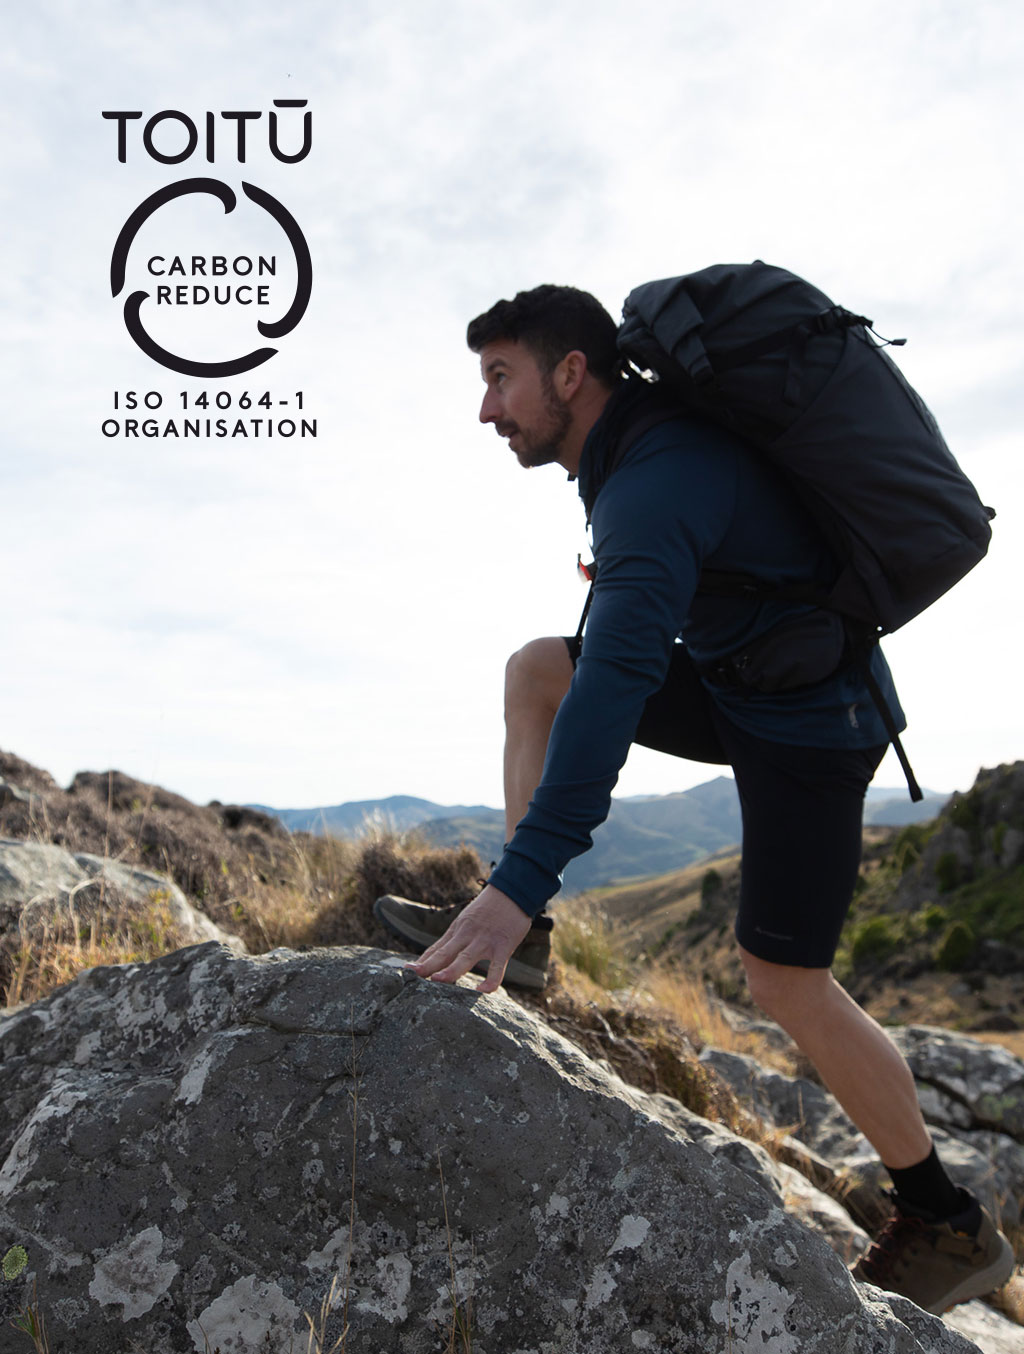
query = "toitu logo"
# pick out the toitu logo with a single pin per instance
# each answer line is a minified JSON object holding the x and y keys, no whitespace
{"x":133,"y":306}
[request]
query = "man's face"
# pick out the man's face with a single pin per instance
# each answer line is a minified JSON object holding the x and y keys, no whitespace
{"x":522,"y":403}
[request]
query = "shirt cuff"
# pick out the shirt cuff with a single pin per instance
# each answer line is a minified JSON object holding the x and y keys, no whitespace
{"x":528,"y":884}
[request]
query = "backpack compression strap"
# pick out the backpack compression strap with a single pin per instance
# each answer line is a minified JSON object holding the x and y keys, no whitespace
{"x":881,"y":705}
{"x":796,"y":338}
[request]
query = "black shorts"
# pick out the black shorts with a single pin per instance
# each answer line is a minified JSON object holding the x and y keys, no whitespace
{"x":802,"y":810}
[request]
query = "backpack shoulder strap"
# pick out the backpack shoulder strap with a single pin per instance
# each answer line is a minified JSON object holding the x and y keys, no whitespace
{"x":634,"y":408}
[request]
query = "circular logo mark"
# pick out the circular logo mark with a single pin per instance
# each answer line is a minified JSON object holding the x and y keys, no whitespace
{"x":272,"y":330}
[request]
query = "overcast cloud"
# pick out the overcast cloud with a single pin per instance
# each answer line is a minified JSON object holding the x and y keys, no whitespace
{"x":311,"y":621}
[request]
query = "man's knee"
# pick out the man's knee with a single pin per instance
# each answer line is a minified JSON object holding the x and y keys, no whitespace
{"x":785,"y":992}
{"x":538,"y":673}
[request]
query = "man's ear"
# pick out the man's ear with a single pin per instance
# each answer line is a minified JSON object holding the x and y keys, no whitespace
{"x":570,"y":373}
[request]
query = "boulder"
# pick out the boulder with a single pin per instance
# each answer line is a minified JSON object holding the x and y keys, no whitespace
{"x":984,"y":1079}
{"x":13,"y":794}
{"x":219,"y":856}
{"x":194,"y":1150}
{"x":965,"y":1088}
{"x":794,"y":1103}
{"x":990,"y":1330}
{"x":791,"y":1188}
{"x":47,"y":890}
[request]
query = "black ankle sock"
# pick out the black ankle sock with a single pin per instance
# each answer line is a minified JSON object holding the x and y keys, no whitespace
{"x":926,"y":1186}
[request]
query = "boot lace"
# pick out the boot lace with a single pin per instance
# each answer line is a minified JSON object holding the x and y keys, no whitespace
{"x":891,"y":1246}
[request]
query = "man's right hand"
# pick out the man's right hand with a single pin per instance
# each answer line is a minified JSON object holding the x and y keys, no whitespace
{"x":487,"y":930}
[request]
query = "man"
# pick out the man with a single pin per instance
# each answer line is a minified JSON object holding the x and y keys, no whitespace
{"x":669,"y":495}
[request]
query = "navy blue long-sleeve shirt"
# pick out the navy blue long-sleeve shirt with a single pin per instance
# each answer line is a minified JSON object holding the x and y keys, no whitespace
{"x":686,"y":495}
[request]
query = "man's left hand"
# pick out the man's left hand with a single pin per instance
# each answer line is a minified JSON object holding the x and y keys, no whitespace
{"x":487,"y":930}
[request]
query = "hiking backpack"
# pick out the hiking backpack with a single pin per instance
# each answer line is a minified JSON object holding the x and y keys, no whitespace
{"x":762,"y":352}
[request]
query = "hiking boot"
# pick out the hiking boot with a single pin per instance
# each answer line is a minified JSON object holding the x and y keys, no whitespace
{"x":937,"y":1263}
{"x":419,"y":926}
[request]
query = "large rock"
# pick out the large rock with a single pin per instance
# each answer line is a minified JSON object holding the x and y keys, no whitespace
{"x":963,"y":1083}
{"x":792,"y":1188}
{"x":989,"y":1163}
{"x":222,"y":857}
{"x":195,"y":1148}
{"x":47,"y":890}
{"x":796,"y":1103}
{"x":989,"y":1330}
{"x":984,"y":1081}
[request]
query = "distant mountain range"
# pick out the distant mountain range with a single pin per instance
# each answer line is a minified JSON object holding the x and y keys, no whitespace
{"x":644,"y":834}
{"x":400,"y":812}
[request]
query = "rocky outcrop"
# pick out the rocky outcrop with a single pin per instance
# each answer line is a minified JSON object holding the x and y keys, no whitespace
{"x":193,"y":1149}
{"x":982,"y":828}
{"x":977,"y":832}
{"x":13,"y":794}
{"x":972,"y":1095}
{"x":46,"y":891}
{"x":971,"y":1085}
{"x":50,"y":898}
{"x":215,"y":854}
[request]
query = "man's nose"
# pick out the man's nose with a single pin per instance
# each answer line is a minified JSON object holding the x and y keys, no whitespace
{"x":488,"y":408}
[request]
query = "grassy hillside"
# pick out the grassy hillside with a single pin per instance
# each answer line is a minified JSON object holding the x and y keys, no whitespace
{"x":644,"y":835}
{"x":939,"y":918}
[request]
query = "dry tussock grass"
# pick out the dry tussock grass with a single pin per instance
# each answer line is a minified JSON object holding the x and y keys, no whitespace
{"x":586,"y":940}
{"x":1010,"y":1299}
{"x":600,"y":951}
{"x":325,"y":899}
{"x":221,"y":856}
{"x":386,"y":862}
{"x":37,"y":959}
{"x":238,"y":866}
{"x":703,"y":1016}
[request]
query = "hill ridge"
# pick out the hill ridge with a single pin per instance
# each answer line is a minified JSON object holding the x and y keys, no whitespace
{"x":644,"y":835}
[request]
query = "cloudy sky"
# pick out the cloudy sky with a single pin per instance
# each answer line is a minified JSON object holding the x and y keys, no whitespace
{"x":309,"y":621}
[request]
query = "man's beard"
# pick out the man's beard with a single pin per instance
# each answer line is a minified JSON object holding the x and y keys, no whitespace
{"x":543,"y":445}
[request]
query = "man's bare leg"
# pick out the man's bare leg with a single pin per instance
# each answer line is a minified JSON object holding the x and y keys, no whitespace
{"x":488,"y":929}
{"x":536,"y":678}
{"x":856,"y":1059}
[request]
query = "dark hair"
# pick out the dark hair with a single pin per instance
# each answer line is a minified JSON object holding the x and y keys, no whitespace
{"x":552,"y":321}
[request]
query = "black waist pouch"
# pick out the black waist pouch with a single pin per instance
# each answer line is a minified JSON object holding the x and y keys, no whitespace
{"x":797,"y":653}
